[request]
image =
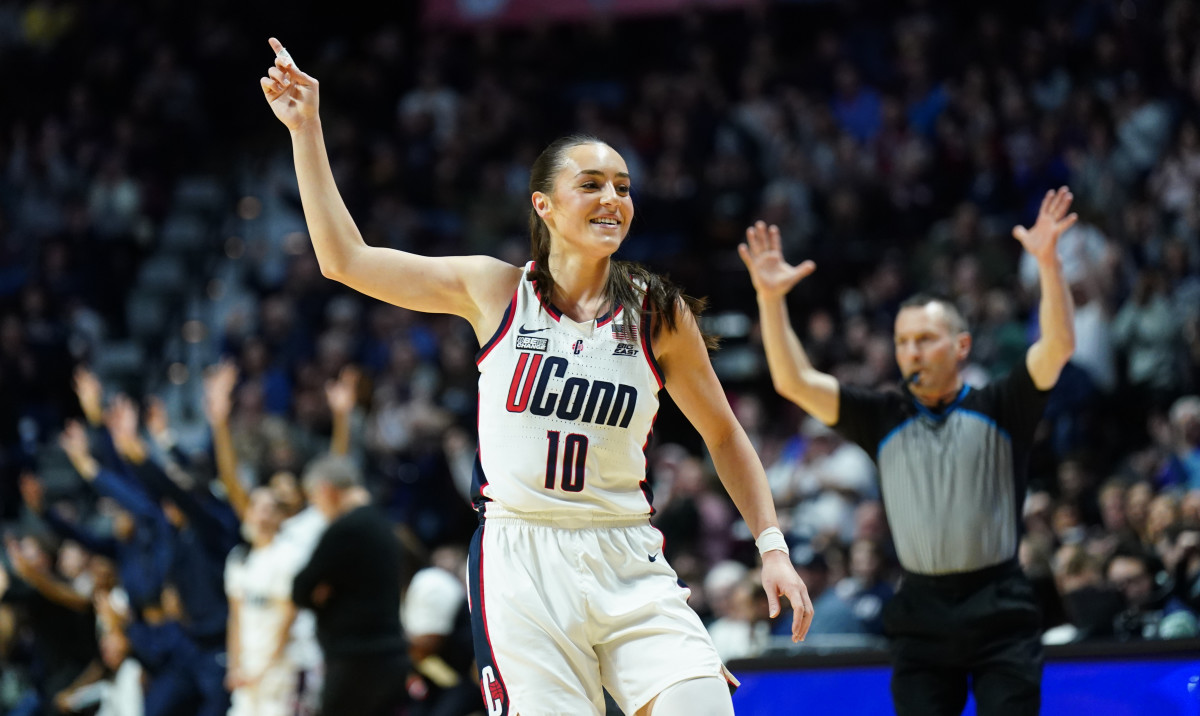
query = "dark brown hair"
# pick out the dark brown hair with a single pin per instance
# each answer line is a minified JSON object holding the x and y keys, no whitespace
{"x":628,"y":282}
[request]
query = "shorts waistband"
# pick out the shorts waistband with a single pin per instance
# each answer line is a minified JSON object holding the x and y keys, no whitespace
{"x":576,"y":521}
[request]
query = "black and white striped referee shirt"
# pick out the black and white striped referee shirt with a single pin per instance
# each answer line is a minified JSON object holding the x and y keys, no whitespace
{"x":953,"y":480}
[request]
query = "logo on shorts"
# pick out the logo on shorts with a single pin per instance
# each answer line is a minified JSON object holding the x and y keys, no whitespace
{"x":493,"y":691}
{"x":653,"y":557}
{"x":525,"y":343}
{"x":625,"y":349}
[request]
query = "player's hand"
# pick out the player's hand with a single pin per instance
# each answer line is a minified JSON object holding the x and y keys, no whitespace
{"x":292,"y":94}
{"x":779,"y":578}
{"x":1041,"y":240}
{"x":771,"y":275}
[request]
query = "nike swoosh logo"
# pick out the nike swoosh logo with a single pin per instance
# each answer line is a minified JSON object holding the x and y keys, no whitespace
{"x":652,"y":557}
{"x":526,"y":331}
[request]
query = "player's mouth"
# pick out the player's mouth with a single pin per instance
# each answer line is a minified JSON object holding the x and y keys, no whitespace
{"x":606,"y":221}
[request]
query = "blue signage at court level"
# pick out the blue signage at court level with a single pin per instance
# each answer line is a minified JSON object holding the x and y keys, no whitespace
{"x":1166,"y":687}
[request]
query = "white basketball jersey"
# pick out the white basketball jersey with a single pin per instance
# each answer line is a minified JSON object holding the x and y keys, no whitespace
{"x":262,"y":580}
{"x":565,"y":411}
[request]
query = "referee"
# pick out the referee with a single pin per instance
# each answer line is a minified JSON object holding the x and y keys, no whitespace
{"x":952,"y":462}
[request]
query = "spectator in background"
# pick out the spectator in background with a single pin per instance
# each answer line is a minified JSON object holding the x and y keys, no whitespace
{"x":1147,"y":333}
{"x":62,"y":620}
{"x":1185,"y":427}
{"x":258,"y":580}
{"x":855,"y":604}
{"x":352,"y":584}
{"x":825,"y":483}
{"x":437,"y":622}
{"x":1151,"y":610}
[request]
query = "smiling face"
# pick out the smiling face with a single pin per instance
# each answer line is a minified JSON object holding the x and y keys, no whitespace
{"x":928,"y":345}
{"x":590,"y":209}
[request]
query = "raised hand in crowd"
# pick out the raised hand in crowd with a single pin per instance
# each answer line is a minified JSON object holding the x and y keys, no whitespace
{"x":219,"y":383}
{"x":121,"y":419}
{"x":158,"y":425}
{"x":91,"y":395}
{"x":342,"y":395}
{"x":74,"y":442}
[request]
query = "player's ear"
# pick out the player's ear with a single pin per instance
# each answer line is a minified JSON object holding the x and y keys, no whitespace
{"x":541,"y":204}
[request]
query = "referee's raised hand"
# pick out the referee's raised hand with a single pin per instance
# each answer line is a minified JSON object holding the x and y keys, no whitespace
{"x":292,"y":94}
{"x":1041,"y":239}
{"x":771,"y":275}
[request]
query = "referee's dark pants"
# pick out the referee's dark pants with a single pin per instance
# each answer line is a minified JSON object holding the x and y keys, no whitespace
{"x":979,"y":630}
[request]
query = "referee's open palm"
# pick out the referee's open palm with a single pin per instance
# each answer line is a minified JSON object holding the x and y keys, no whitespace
{"x":1041,"y":240}
{"x":770,"y":274}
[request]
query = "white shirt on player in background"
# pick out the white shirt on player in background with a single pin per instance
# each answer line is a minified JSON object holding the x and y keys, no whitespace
{"x":299,"y":535}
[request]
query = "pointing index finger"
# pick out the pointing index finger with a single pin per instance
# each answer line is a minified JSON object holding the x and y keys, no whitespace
{"x":281,"y":51}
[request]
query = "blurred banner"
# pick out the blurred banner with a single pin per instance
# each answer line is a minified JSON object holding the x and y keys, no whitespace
{"x":467,"y":13}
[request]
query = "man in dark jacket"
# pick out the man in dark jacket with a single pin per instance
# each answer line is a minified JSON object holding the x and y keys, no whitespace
{"x":352,"y":584}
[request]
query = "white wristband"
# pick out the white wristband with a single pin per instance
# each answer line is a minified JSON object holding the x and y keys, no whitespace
{"x":771,"y":538}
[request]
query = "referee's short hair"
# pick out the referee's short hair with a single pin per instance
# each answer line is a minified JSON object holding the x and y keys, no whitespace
{"x":337,"y":471}
{"x":954,"y":317}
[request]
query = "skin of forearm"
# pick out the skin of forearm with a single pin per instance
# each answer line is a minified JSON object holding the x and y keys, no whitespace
{"x":227,"y":468}
{"x":340,"y":440}
{"x":1056,"y":313}
{"x":332,"y":229}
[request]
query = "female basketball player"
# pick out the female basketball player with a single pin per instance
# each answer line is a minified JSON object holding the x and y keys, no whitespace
{"x":569,"y":589}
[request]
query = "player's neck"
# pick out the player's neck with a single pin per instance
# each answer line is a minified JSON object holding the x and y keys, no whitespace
{"x":579,"y":286}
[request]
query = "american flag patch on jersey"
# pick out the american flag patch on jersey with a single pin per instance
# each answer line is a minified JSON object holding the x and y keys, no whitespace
{"x":625,"y":332}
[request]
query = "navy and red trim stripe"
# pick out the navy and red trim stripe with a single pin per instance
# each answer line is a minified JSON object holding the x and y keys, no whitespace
{"x":646,"y":348}
{"x":491,"y":683}
{"x":610,"y":316}
{"x":506,"y":322}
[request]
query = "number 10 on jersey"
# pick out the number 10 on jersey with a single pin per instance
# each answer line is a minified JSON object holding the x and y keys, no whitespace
{"x":573,"y":462}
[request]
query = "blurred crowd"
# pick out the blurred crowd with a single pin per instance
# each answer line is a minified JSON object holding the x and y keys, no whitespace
{"x":895,"y":143}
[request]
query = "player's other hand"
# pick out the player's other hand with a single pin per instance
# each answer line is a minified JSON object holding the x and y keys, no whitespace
{"x":292,"y":94}
{"x":779,"y":579}
{"x":771,"y":275}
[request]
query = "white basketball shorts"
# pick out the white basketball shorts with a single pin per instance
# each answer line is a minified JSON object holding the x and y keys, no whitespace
{"x":559,"y":610}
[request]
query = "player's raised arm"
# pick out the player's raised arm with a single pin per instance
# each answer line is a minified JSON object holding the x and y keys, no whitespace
{"x":791,"y":372}
{"x":474,"y":287}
